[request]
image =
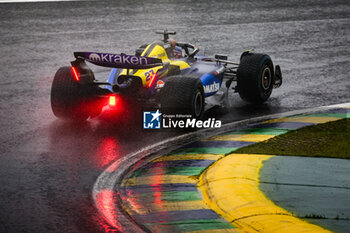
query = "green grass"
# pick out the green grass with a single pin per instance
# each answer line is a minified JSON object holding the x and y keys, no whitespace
{"x":330,"y":139}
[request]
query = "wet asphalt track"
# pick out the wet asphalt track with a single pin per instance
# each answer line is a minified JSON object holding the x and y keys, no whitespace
{"x":48,"y":167}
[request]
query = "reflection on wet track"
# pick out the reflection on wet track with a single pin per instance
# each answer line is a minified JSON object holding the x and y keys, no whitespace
{"x":107,"y":152}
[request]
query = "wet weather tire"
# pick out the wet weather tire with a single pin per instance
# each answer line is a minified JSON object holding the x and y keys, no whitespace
{"x":67,"y":96}
{"x":255,"y":77}
{"x":183,"y":94}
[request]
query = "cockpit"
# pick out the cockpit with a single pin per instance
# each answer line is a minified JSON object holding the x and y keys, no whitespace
{"x":167,"y":49}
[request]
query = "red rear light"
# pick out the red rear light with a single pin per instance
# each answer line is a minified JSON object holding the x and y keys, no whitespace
{"x":112,"y":101}
{"x":76,"y":76}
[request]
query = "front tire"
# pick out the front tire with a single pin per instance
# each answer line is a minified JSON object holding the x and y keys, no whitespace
{"x":183,"y":94}
{"x":67,"y":96}
{"x":255,"y":77}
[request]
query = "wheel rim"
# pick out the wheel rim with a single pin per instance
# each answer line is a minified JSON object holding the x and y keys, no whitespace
{"x":198,"y":104}
{"x":266,"y":78}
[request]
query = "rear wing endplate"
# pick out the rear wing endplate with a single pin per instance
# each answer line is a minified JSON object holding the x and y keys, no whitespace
{"x":119,"y":60}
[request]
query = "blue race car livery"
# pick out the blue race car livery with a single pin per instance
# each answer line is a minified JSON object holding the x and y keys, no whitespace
{"x":163,"y":74}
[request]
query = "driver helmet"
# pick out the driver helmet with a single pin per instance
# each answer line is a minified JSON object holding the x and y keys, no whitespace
{"x":177,"y":52}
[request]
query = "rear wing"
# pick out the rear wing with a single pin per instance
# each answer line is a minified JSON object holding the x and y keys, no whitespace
{"x":119,"y":60}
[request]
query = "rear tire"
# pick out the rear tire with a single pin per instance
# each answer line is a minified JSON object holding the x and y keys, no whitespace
{"x":255,"y":77}
{"x":67,"y":96}
{"x":183,"y":94}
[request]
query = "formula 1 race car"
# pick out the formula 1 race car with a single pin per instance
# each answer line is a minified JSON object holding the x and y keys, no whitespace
{"x":164,"y":74}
